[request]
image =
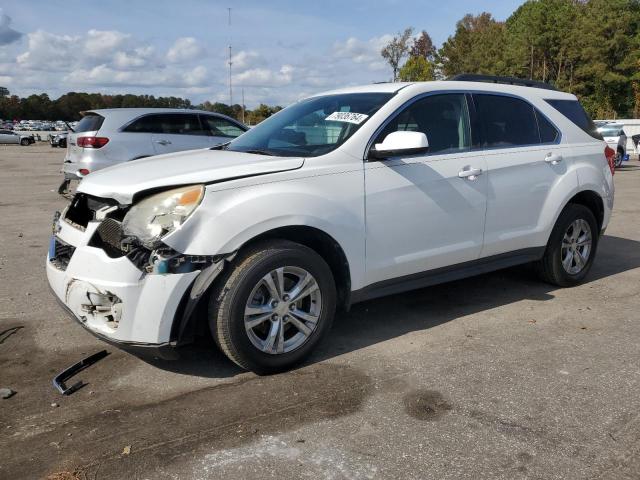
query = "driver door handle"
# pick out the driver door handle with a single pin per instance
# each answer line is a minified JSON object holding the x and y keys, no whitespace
{"x":553,"y":158}
{"x":163,"y":142}
{"x":470,"y":173}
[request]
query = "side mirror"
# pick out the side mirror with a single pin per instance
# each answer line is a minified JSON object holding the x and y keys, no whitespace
{"x":400,"y":143}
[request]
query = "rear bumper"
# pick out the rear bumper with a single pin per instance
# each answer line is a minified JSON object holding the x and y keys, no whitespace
{"x":90,"y":159}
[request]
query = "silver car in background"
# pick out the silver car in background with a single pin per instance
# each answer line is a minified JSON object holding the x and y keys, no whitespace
{"x":9,"y":136}
{"x":109,"y":136}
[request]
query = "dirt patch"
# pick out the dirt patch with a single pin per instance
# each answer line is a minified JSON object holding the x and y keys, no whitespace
{"x":223,"y":416}
{"x":426,"y":405}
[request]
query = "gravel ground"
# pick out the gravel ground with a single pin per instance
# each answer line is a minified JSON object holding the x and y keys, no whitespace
{"x":498,"y":376}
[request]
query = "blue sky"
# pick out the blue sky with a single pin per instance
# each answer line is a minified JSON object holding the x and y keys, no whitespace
{"x":283,"y":50}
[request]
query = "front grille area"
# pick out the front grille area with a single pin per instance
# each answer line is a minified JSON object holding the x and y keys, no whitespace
{"x":62,"y":254}
{"x":83,"y":208}
{"x":109,"y":237}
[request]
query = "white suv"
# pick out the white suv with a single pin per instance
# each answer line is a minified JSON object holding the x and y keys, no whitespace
{"x":339,"y":198}
{"x":115,"y":135}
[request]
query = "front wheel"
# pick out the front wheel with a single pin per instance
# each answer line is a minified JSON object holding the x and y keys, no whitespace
{"x":272,"y":308}
{"x":25,"y":142}
{"x":571,"y":248}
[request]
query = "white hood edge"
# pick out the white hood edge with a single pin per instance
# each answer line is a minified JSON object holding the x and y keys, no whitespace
{"x":123,"y":181}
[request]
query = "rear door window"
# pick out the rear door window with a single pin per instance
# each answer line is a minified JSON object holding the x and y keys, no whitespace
{"x":91,"y":122}
{"x":220,"y":127}
{"x":506,"y":121}
{"x":168,"y":123}
{"x":574,"y":112}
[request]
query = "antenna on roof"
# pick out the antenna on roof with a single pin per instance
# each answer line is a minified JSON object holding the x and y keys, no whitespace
{"x":230,"y":63}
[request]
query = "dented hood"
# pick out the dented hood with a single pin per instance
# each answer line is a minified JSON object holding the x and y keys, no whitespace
{"x":121,"y":182}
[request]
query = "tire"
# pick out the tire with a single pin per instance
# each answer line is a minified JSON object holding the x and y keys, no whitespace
{"x":242,"y":291}
{"x":25,"y":142}
{"x":618,"y":160}
{"x":571,"y":272}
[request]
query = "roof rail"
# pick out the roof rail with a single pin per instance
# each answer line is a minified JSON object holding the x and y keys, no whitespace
{"x":470,"y":77}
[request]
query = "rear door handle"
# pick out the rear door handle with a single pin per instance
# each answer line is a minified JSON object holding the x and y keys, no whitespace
{"x":470,"y":173}
{"x":553,"y":158}
{"x":163,"y":142}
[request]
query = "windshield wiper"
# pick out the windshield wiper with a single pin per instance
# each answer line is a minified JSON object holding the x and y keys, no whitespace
{"x":259,"y":152}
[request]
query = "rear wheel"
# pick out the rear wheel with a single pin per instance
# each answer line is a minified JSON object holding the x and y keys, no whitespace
{"x":25,"y":142}
{"x":619,"y":157}
{"x":571,"y":248}
{"x":272,"y":308}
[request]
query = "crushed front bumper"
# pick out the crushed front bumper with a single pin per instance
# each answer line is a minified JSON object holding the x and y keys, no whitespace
{"x":111,"y":297}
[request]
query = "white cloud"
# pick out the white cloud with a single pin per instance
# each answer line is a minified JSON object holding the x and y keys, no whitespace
{"x":104,"y":75}
{"x":137,"y":58}
{"x":264,"y":77}
{"x":247,"y":59}
{"x":118,"y":62}
{"x":104,"y":42}
{"x":7,"y":34}
{"x":184,"y":49}
{"x":47,"y":51}
{"x":361,"y":51}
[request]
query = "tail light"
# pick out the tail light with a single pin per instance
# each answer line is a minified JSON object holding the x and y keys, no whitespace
{"x":610,"y":155}
{"x":92,"y":142}
{"x":84,"y":171}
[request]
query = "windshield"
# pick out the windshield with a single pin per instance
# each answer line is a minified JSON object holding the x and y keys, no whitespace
{"x":311,"y":127}
{"x":610,"y":131}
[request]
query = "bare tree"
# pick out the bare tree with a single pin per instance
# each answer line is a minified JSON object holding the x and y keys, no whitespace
{"x":396,"y":50}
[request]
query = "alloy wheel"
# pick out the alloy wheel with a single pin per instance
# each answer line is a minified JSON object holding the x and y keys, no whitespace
{"x":576,"y":246}
{"x":283,"y":310}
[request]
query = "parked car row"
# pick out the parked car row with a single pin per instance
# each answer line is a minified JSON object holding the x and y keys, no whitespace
{"x":343,"y":197}
{"x":37,"y":125}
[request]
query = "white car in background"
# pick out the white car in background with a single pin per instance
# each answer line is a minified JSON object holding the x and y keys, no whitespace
{"x":109,"y":136}
{"x":614,"y":136}
{"x":343,"y":197}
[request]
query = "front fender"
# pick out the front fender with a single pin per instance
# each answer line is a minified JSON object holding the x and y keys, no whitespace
{"x":228,"y":219}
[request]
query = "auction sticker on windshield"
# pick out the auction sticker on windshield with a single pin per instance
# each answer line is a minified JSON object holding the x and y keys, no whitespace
{"x":350,"y":117}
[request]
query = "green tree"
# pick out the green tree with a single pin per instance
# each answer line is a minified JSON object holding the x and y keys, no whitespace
{"x":477,"y":46}
{"x":608,"y":53}
{"x":4,"y":92}
{"x":539,"y":41}
{"x":416,"y":69}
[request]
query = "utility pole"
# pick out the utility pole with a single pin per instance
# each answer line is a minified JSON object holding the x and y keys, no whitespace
{"x":242,"y":104}
{"x":230,"y":63}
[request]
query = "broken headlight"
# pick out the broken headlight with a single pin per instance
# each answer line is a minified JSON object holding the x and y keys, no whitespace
{"x":157,"y":215}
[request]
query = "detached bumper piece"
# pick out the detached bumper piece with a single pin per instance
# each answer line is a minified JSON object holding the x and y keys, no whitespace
{"x":60,"y":380}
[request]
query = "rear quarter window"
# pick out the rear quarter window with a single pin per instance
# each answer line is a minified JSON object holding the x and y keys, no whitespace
{"x":574,"y":112}
{"x":506,"y":121}
{"x":89,"y":123}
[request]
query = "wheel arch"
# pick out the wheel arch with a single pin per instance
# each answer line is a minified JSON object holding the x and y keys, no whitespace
{"x":323,"y":244}
{"x":593,"y":201}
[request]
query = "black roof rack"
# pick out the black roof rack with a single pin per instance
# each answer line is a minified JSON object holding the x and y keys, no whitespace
{"x":470,"y":77}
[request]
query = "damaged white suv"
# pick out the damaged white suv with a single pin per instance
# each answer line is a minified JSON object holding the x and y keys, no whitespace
{"x":339,"y":198}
